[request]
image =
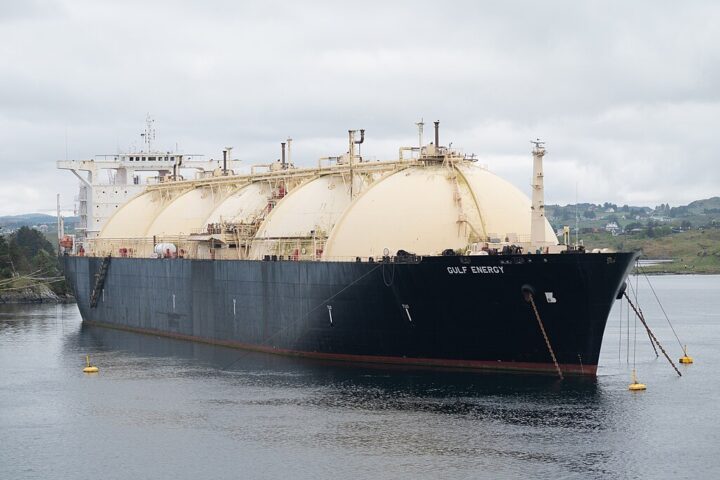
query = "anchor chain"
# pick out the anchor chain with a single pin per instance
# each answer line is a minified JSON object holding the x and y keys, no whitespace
{"x":652,"y":336}
{"x":547,"y":340}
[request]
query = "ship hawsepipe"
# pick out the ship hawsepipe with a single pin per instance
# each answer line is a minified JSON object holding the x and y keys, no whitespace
{"x":436,"y":311}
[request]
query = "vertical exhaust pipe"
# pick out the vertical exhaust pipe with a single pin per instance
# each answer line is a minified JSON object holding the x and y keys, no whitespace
{"x":282,"y":162}
{"x":224,"y":162}
{"x":437,"y":133}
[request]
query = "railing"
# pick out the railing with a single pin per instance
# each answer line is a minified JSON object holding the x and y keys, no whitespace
{"x":241,"y":245}
{"x":145,"y":248}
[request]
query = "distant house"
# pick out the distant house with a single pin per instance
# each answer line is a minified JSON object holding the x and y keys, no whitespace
{"x":613,"y":228}
{"x":610,"y":210}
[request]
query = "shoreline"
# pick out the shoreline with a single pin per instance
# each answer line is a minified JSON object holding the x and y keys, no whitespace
{"x":37,"y":294}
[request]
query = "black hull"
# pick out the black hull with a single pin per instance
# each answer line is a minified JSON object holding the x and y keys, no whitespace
{"x":461,"y":312}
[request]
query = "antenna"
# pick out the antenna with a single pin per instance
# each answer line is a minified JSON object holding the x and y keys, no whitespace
{"x":538,"y":143}
{"x":148,"y":134}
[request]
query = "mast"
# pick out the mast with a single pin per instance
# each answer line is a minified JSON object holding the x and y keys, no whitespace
{"x":537,"y":225}
{"x":148,"y":134}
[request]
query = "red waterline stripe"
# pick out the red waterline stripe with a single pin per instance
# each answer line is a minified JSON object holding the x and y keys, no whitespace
{"x":498,"y":365}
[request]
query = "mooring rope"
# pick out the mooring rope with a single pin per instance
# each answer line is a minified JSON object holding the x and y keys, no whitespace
{"x":547,"y":340}
{"x":652,"y":343}
{"x":620,"y":335}
{"x":661,"y":307}
{"x":652,"y":336}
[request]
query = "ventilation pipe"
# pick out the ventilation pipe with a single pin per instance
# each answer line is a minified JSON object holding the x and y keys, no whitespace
{"x":225,"y":162}
{"x":437,"y":133}
{"x":351,"y":154}
{"x":282,"y":161}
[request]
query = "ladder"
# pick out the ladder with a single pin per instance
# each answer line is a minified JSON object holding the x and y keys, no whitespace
{"x":99,"y":281}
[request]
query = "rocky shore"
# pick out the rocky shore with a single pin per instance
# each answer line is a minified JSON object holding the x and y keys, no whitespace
{"x":34,"y":294}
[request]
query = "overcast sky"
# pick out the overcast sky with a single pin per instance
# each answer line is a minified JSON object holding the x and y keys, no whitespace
{"x":626,"y":94}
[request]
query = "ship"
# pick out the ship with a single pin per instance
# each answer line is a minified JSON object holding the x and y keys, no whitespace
{"x":428,"y":260}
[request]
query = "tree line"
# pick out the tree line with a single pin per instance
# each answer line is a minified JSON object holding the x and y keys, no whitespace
{"x":26,"y":254}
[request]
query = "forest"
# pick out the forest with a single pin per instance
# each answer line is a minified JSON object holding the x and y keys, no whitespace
{"x":28,"y":259}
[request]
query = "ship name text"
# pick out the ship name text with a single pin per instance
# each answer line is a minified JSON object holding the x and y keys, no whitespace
{"x":475,"y":269}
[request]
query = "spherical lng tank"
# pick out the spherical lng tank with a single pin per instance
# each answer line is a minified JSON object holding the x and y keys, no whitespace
{"x":421,"y":208}
{"x":428,"y":209}
{"x":301,"y":221}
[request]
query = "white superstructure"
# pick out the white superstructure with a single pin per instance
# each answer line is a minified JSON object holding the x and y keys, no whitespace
{"x":107,"y":182}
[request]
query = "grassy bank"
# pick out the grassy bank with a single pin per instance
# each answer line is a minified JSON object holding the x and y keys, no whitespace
{"x":693,"y":251}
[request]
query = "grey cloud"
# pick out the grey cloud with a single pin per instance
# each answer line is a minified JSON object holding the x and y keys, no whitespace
{"x":625,"y":94}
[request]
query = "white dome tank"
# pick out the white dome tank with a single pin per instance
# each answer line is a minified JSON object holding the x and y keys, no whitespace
{"x":187,"y":213}
{"x":245,"y":205}
{"x":426,"y":210}
{"x":307,"y":212}
{"x":504,"y":210}
{"x":413,"y":210}
{"x":133,"y":219}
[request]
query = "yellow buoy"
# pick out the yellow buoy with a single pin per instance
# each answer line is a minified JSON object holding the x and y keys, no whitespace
{"x":635,"y":386}
{"x":90,"y":368}
{"x":686,"y":359}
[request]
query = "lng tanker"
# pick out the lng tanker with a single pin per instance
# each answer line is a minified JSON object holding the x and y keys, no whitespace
{"x":426,"y":260}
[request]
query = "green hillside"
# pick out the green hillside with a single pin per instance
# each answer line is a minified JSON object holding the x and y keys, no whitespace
{"x":10,"y":223}
{"x":689,"y":235}
{"x":693,"y":251}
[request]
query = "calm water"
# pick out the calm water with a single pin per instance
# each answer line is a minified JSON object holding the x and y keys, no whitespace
{"x":168,"y":409}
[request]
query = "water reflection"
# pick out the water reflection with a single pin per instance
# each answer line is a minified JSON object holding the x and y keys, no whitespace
{"x":323,"y":418}
{"x":530,"y":400}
